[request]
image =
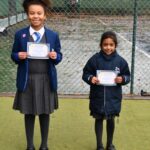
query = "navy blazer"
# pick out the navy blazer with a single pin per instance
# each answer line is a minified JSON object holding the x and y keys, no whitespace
{"x":20,"y":44}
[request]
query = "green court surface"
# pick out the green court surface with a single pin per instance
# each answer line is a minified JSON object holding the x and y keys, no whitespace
{"x":72,"y":128}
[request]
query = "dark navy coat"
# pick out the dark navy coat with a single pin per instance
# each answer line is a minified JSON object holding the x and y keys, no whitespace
{"x":106,"y":100}
{"x":20,"y":44}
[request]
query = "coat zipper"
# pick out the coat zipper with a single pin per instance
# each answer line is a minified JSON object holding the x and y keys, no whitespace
{"x":105,"y":101}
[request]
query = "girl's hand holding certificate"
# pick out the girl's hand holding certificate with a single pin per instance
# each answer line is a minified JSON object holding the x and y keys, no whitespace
{"x":95,"y":80}
{"x":22,"y":55}
{"x":52,"y":54}
{"x":119,"y":79}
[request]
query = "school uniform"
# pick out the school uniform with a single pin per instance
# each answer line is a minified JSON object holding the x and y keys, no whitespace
{"x":36,"y":78}
{"x":105,"y":101}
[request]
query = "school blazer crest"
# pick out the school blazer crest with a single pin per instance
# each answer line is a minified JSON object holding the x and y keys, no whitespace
{"x":20,"y":44}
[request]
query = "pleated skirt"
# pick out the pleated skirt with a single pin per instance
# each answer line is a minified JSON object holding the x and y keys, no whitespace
{"x":38,"y":98}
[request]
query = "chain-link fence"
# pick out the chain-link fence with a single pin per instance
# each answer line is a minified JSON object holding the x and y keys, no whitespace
{"x":80,"y":24}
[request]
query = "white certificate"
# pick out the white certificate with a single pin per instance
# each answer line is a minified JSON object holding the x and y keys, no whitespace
{"x":38,"y":50}
{"x":106,"y":77}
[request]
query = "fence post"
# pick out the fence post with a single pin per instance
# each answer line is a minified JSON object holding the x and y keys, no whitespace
{"x":133,"y":45}
{"x":78,"y":7}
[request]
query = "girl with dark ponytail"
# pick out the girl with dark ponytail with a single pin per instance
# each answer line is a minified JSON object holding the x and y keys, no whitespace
{"x":36,"y":76}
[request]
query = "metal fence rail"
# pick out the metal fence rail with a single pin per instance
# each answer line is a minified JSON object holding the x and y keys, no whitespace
{"x":80,"y":24}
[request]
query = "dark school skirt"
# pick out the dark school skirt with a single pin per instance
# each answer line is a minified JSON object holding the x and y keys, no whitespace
{"x":103,"y":116}
{"x":38,"y":98}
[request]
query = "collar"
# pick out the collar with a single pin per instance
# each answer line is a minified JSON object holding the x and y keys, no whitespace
{"x":108,"y":57}
{"x":41,"y":31}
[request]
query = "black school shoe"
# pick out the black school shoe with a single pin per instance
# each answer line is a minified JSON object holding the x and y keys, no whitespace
{"x":44,"y":148}
{"x":30,"y":148}
{"x":100,"y":148}
{"x":110,"y":147}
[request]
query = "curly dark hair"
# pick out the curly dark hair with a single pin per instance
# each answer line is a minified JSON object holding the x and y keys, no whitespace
{"x":109,"y":34}
{"x":46,"y":4}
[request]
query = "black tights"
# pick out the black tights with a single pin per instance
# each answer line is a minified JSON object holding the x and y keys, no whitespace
{"x":29,"y":128}
{"x":110,"y":127}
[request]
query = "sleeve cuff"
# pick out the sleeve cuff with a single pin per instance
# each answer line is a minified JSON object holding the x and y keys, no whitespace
{"x":90,"y":77}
